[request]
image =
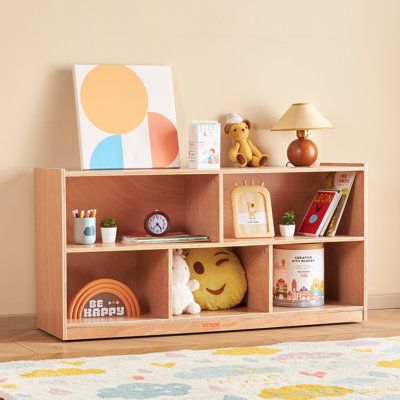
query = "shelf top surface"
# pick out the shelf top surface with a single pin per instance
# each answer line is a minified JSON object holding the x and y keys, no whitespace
{"x":222,"y":171}
{"x":228,"y":242}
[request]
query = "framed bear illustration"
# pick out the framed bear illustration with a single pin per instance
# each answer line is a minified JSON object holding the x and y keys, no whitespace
{"x":252,"y":211}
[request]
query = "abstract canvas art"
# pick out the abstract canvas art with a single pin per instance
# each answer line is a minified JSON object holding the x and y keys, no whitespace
{"x":126,"y":116}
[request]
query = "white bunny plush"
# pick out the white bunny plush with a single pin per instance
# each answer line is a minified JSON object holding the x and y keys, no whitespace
{"x":182,"y":287}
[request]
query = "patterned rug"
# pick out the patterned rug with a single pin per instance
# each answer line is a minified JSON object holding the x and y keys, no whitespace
{"x":352,"y":369}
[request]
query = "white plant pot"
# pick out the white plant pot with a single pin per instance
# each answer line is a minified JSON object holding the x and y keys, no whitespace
{"x":287,"y":230}
{"x":108,"y":235}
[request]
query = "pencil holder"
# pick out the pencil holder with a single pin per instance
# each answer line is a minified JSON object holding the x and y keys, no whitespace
{"x":85,"y":230}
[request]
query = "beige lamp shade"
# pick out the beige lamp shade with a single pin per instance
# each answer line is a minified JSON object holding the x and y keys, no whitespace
{"x":302,"y":117}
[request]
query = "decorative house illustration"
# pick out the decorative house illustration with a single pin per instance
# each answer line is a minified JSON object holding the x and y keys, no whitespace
{"x":294,"y":290}
{"x":304,"y":294}
{"x":281,"y":289}
{"x":316,"y":290}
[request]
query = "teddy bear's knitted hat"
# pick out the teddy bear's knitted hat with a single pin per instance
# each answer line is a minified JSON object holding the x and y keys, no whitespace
{"x":233,"y":118}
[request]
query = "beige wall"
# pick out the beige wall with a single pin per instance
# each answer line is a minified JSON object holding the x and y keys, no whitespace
{"x":254,"y":57}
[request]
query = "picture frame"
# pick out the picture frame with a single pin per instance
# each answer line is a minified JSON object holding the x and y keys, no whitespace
{"x":252,"y":211}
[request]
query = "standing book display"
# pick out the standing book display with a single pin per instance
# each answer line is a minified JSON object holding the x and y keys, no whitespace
{"x":342,"y":181}
{"x":319,"y":213}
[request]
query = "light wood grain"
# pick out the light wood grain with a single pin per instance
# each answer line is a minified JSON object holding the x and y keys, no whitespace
{"x":217,"y":323}
{"x":270,"y":276}
{"x":170,"y":256}
{"x":152,"y":282}
{"x":238,"y":318}
{"x":145,"y":273}
{"x":50,"y":250}
{"x":365,"y":233}
{"x":221,"y":207}
{"x":129,"y":199}
{"x":381,"y":323}
{"x":358,"y":166}
{"x":330,"y":306}
{"x":325,"y":167}
{"x":290,"y":240}
{"x":139,"y":172}
{"x":14,"y":349}
{"x":255,"y":261}
{"x":288,"y":192}
{"x":231,"y":242}
{"x":197,"y":202}
{"x":344,"y":272}
{"x":201,"y":206}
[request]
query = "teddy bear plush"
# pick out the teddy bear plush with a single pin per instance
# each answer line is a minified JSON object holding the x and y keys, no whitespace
{"x":182,"y":287}
{"x":243,"y":152}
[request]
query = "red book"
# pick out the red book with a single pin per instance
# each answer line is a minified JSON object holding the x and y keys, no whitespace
{"x":320,"y":210}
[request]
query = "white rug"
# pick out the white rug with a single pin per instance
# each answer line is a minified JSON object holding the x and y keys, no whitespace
{"x":351,"y":370}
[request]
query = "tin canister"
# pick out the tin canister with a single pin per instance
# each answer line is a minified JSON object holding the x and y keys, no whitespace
{"x":299,"y":275}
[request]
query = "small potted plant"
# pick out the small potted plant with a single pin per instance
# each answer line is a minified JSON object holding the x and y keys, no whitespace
{"x":108,"y":228}
{"x":287,"y":227}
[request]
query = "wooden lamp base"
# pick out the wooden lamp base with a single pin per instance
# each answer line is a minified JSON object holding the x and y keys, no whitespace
{"x":302,"y":152}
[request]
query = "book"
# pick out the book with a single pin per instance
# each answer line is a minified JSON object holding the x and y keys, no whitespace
{"x":342,"y":181}
{"x":321,"y":209}
{"x":326,"y":223}
{"x":179,"y":237}
{"x":204,"y":145}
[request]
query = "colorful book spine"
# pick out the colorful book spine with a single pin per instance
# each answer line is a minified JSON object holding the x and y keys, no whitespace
{"x":321,"y":209}
{"x":342,"y":181}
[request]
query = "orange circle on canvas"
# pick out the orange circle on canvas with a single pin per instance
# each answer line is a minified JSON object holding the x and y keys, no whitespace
{"x":163,"y":140}
{"x":114,"y":98}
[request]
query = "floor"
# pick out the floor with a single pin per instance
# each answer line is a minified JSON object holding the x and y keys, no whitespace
{"x":23,"y":344}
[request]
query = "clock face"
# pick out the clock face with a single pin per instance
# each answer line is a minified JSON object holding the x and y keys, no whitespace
{"x":157,"y":223}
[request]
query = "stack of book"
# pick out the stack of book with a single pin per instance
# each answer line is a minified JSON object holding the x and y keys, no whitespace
{"x":178,"y":237}
{"x":326,"y":209}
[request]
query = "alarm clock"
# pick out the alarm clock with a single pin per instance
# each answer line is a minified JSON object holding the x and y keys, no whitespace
{"x":157,"y":223}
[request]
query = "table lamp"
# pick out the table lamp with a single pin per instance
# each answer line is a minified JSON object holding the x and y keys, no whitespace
{"x":302,"y":117}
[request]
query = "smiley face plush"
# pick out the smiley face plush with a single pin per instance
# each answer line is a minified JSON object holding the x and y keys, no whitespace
{"x":221,"y":276}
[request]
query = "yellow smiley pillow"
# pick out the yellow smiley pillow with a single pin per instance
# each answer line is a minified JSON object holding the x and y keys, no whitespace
{"x":222,"y":278}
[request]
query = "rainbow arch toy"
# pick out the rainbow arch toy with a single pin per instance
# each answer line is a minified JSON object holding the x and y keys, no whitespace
{"x":104,"y":298}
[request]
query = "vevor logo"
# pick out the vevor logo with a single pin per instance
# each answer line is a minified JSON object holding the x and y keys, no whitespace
{"x":211,"y":324}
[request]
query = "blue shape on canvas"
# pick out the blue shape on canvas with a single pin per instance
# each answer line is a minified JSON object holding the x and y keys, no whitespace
{"x":108,"y":154}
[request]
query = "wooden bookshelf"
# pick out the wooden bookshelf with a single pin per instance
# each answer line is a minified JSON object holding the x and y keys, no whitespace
{"x":198,"y":202}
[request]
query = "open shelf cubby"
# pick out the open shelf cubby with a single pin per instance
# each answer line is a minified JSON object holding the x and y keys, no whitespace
{"x":198,"y":202}
{"x":130,"y":198}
